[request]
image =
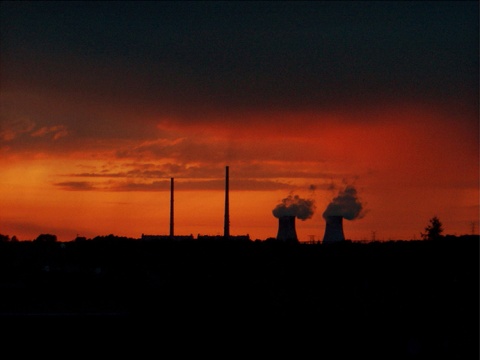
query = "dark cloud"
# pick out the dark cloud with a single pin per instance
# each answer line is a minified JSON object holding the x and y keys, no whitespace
{"x":217,"y":149}
{"x":204,"y":175}
{"x":131,"y":186}
{"x":141,"y":184}
{"x":244,"y":175}
{"x":99,"y":175}
{"x":76,"y":185}
{"x":163,"y":58}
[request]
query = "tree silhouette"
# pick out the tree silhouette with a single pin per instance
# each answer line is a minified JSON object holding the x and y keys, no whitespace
{"x":46,"y":238}
{"x":434,"y":230}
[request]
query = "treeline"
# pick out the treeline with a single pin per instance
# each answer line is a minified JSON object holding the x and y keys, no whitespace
{"x":51,"y":238}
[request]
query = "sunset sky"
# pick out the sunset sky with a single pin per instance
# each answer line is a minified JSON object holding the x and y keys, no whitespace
{"x":103,"y":102}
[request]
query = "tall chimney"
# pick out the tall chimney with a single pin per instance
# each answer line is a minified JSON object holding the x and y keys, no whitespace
{"x":286,"y":229}
{"x":333,"y":230}
{"x":171,"y":207}
{"x":226,"y":225}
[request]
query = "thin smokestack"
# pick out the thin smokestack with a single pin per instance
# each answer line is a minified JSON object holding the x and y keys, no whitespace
{"x":226,"y":226}
{"x":171,"y":207}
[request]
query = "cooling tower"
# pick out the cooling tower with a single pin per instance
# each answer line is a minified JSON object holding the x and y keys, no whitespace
{"x":286,"y":229}
{"x":333,"y":230}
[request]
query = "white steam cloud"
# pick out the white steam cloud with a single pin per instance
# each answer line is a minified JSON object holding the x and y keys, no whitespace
{"x":345,"y":204}
{"x":294,"y":205}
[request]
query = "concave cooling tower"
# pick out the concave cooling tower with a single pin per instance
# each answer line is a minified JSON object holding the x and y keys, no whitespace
{"x":333,"y":230}
{"x":286,"y":229}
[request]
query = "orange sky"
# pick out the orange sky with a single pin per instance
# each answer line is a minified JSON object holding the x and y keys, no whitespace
{"x":408,"y":165}
{"x":97,"y":116}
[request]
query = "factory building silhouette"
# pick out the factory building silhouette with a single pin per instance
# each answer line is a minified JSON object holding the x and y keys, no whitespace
{"x":344,"y":206}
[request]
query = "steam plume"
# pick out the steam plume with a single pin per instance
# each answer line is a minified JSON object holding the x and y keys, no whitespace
{"x":346,"y":204}
{"x":293,"y":205}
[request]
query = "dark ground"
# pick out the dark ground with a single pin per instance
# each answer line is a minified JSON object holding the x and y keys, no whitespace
{"x":409,"y":300}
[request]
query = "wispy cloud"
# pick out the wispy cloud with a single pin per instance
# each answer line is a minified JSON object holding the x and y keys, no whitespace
{"x":12,"y":128}
{"x":56,"y":131}
{"x":204,"y":185}
{"x":181,"y":185}
{"x":76,"y":185}
{"x":204,"y":170}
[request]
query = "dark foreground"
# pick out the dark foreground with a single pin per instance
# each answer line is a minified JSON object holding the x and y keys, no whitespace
{"x":390,"y":300}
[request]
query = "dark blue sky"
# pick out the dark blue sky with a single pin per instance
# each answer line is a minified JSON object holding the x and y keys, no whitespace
{"x":243,"y":55}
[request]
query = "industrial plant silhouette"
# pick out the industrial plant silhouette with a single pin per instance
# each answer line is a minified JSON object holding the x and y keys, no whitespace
{"x":345,"y":205}
{"x":402,"y":299}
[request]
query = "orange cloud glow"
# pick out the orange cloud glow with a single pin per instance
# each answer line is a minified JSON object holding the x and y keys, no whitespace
{"x":407,"y":164}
